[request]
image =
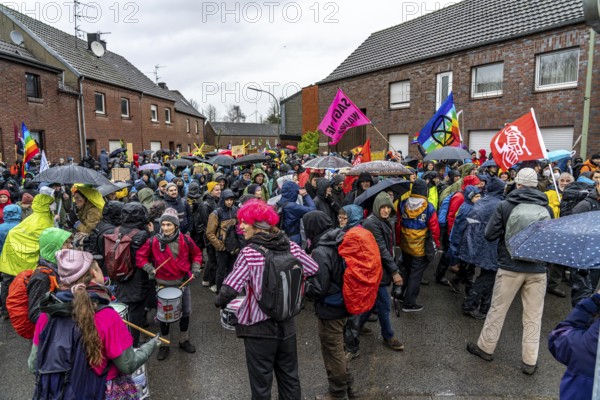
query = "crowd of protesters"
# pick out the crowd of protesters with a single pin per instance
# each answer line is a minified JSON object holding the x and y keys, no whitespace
{"x":210,"y":222}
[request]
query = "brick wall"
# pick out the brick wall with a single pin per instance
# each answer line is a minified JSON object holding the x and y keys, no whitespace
{"x":293,"y":115}
{"x":310,"y":108}
{"x":55,"y":113}
{"x":553,"y":108}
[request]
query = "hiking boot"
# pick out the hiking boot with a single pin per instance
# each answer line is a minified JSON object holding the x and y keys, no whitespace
{"x":557,"y":292}
{"x":475,"y":314}
{"x":442,"y":281}
{"x":413,"y":308}
{"x":475,"y":350}
{"x":372,"y":318}
{"x":163,"y":353}
{"x":528,"y":369}
{"x":351,"y":356}
{"x":329,"y":396}
{"x":393,"y":343}
{"x":187,"y":347}
{"x":364,"y":331}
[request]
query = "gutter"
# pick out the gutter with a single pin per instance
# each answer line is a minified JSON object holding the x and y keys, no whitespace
{"x":82,"y":132}
{"x":587,"y":97}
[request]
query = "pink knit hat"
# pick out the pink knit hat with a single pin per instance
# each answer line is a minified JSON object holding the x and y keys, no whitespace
{"x":72,"y":264}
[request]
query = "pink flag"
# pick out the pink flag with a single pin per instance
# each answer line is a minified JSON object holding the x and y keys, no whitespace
{"x":341,"y":116}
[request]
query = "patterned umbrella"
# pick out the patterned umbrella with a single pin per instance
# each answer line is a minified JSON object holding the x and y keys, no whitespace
{"x":570,"y":241}
{"x":327,"y":162}
{"x":380,"y":168}
{"x":448,"y":153}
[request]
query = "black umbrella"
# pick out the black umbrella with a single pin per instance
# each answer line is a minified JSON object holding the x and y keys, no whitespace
{"x":146,"y":153}
{"x":251,"y":159}
{"x":116,"y":152}
{"x":194,"y":158}
{"x":105,"y":190}
{"x":447,"y":153}
{"x":179,"y":162}
{"x":212,"y":154}
{"x":327,"y":162}
{"x":221,"y":160}
{"x":398,"y":185}
{"x":71,"y":174}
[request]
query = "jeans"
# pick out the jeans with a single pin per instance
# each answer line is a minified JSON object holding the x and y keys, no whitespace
{"x":414,"y":268}
{"x":383,"y":306}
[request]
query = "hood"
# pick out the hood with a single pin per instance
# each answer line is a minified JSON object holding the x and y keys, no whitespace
{"x":52,"y":240}
{"x":495,"y":187}
{"x":382,"y":199}
{"x":282,"y":180}
{"x":225,"y":194}
{"x":469,"y":180}
{"x":111,"y":213}
{"x":527,"y":195}
{"x":469,"y":192}
{"x":466,"y":169}
{"x":289,"y":192}
{"x":6,"y":193}
{"x":12,"y":213}
{"x":134,"y":215}
{"x":355,"y":215}
{"x":146,"y":197}
{"x":336,"y":180}
{"x":258,"y":171}
{"x":322,"y":186}
{"x":92,"y":195}
{"x":41,"y":203}
{"x":315,"y":223}
{"x":365,"y":177}
{"x":193,"y":190}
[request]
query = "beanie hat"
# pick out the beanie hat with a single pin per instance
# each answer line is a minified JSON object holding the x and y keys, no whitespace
{"x":170,"y":215}
{"x":162,"y":182}
{"x":211,"y":186}
{"x":170,"y":185}
{"x":227,"y":194}
{"x":72,"y":264}
{"x":527,"y":177}
{"x":419,"y":187}
{"x":26,"y":199}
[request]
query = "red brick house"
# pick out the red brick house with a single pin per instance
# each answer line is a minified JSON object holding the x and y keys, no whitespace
{"x":111,"y":99}
{"x":499,"y":58}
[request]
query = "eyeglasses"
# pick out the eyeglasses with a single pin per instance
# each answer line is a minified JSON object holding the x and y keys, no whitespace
{"x":342,"y":217}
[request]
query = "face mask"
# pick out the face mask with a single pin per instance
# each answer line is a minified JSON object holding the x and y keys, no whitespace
{"x":556,"y":175}
{"x":546,"y":173}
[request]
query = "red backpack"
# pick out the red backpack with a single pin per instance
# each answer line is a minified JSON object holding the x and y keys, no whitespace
{"x":117,"y":255}
{"x":363,"y":271}
{"x":17,"y":302}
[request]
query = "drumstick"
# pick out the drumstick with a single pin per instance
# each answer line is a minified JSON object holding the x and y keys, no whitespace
{"x":134,"y":326}
{"x":161,"y":265}
{"x":186,"y":282}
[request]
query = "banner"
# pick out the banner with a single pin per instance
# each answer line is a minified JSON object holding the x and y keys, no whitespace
{"x":238,"y":151}
{"x":519,"y":141}
{"x":341,"y":116}
{"x":44,"y":165}
{"x":442,"y":129}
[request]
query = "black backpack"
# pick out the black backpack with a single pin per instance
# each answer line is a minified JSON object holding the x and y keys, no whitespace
{"x":282,"y":284}
{"x":573,"y":194}
{"x":62,"y":369}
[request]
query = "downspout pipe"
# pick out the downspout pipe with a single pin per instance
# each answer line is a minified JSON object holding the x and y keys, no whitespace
{"x":587,"y":99}
{"x":83,"y":136}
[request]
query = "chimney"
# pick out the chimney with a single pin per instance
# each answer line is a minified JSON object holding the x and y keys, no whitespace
{"x":95,"y":37}
{"x":163,"y":85}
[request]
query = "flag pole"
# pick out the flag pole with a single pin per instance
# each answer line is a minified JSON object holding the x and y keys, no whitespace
{"x":383,"y":137}
{"x":543,"y":146}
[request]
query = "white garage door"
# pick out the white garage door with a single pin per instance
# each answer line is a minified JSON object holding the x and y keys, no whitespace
{"x":481,"y":140}
{"x":399,"y":141}
{"x":155,"y":146}
{"x":558,"y":138}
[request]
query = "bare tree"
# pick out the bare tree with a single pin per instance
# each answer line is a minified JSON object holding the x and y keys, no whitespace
{"x":235,"y":114}
{"x":211,"y":113}
{"x":273,"y":116}
{"x":194,"y":104}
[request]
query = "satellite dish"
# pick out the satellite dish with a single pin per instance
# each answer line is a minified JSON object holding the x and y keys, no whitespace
{"x":16,"y":38}
{"x":97,"y":48}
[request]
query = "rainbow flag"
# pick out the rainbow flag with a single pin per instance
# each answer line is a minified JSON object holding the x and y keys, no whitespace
{"x":441,"y":130}
{"x":31,"y":147}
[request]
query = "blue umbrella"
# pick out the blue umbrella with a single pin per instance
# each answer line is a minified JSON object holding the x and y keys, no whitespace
{"x":571,"y":241}
{"x":490,"y":163}
{"x":558,"y":155}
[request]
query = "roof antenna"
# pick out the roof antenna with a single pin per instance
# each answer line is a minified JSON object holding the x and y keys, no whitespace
{"x":76,"y":17}
{"x":155,"y":73}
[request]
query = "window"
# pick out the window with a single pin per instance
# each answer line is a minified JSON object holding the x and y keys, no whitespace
{"x":38,"y":137}
{"x":100,"y":104}
{"x":155,"y":146}
{"x":124,"y":107}
{"x":486,"y":80}
{"x":557,"y":70}
{"x":189,"y":148}
{"x":154,"y":113}
{"x":32,"y":85}
{"x":443,"y":88}
{"x":168,"y":115}
{"x":197,"y":128}
{"x":113,"y":145}
{"x":399,"y":141}
{"x":187,"y":125}
{"x":400,"y":94}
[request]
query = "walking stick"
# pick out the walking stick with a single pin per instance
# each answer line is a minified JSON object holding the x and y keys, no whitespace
{"x":186,"y":282}
{"x":134,"y":326}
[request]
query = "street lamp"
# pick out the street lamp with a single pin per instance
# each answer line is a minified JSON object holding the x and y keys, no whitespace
{"x":276,"y":102}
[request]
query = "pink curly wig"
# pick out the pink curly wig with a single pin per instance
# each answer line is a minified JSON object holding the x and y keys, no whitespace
{"x":256,"y":210}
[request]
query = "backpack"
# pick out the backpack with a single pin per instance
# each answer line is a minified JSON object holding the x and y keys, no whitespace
{"x":282,"y":284}
{"x":17,"y":302}
{"x":62,"y":369}
{"x":233,"y":242}
{"x":117,"y":255}
{"x":443,"y":211}
{"x":574,"y":193}
{"x":363,"y":270}
{"x":521,"y":217}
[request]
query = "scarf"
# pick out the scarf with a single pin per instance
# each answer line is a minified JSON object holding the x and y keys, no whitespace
{"x":272,"y":241}
{"x":165,"y":240}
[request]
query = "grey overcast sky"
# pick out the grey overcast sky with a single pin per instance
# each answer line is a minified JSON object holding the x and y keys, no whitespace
{"x":212,"y":51}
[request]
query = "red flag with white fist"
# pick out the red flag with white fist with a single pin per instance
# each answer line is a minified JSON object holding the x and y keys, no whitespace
{"x":519,"y":141}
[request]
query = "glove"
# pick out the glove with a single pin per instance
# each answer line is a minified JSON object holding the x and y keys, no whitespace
{"x":154,"y":342}
{"x":196,"y":270}
{"x":397,"y":292}
{"x":149,"y":268}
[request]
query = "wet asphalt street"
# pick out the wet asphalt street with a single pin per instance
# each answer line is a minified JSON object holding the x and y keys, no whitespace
{"x":433,"y":364}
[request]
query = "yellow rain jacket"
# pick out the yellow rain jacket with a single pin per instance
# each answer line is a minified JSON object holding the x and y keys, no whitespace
{"x":21,"y":250}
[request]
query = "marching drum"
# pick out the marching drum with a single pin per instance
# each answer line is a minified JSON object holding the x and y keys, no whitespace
{"x":140,"y":380}
{"x":121,"y":308}
{"x":170,"y":304}
{"x":229,"y":314}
